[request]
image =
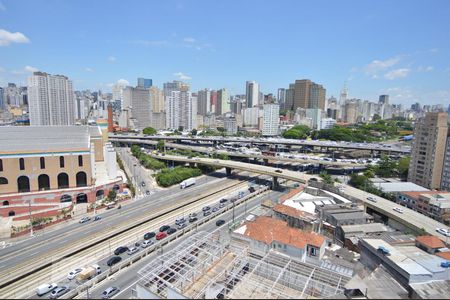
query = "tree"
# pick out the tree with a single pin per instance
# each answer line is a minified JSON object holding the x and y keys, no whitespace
{"x":194,"y":132}
{"x":386,"y":167}
{"x":376,"y":117}
{"x":220,"y":129}
{"x":180,"y":128}
{"x":297,"y":132}
{"x":160,"y":146}
{"x":327,"y":179}
{"x":149,"y":131}
{"x":403,"y":166}
{"x":112,"y":195}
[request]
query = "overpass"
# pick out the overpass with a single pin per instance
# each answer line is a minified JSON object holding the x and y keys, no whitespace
{"x":272,"y":141}
{"x":408,"y":219}
{"x":266,"y":158}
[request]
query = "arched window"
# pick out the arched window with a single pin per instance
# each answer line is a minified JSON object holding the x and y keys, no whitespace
{"x":21,"y":164}
{"x":44,"y":182}
{"x":100,"y":194}
{"x":81,"y":179}
{"x":3,"y":180}
{"x":61,"y":161}
{"x":42,"y":161}
{"x":82,"y":198}
{"x":63,"y":181}
{"x":66,"y":198}
{"x":5,"y":203}
{"x":23,"y":184}
{"x":11,"y":213}
{"x":80,"y":160}
{"x":1,"y":165}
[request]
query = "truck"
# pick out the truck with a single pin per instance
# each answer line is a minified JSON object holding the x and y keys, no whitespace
{"x":89,"y":273}
{"x":186,"y":183}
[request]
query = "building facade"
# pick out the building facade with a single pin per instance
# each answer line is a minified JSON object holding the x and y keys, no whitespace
{"x":50,"y":100}
{"x":181,"y":111}
{"x":139,"y":101}
{"x":252,"y":93}
{"x":271,"y":119}
{"x":144,"y":83}
{"x":445,"y":182}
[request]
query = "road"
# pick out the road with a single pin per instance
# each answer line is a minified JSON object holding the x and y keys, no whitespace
{"x":125,"y":280}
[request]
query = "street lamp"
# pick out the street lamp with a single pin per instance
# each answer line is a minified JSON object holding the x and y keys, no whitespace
{"x":31,"y":222}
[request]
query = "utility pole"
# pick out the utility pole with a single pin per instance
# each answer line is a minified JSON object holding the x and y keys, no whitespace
{"x":31,"y":222}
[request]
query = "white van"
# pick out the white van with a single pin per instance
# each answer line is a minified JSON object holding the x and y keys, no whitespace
{"x":45,"y":288}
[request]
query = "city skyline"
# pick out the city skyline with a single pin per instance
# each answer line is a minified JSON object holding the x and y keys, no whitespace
{"x":222,"y":55}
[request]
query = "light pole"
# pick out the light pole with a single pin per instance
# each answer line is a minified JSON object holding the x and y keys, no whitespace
{"x":31,"y":222}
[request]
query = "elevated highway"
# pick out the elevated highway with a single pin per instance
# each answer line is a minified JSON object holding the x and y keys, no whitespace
{"x":272,"y":141}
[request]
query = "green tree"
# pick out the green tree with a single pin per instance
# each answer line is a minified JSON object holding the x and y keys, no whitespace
{"x":149,"y":131}
{"x":376,"y":117}
{"x":221,"y":129}
{"x":112,"y":195}
{"x":194,"y":132}
{"x":297,"y":132}
{"x":160,"y":145}
{"x":327,"y":179}
{"x":403,"y":166}
{"x":386,"y":167}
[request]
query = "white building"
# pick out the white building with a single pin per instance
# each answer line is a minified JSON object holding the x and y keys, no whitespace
{"x":251,"y":116}
{"x":315,"y":115}
{"x":327,"y":123}
{"x":271,"y":119}
{"x":181,"y":110}
{"x":50,"y":100}
{"x":117,"y":91}
{"x":140,"y":104}
{"x":252,"y":93}
{"x":230,"y":125}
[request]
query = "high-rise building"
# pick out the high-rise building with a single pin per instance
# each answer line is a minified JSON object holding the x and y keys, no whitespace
{"x":315,"y":115}
{"x":223,"y":99}
{"x":181,"y":110}
{"x":383,"y":99}
{"x":203,"y":102}
{"x":281,"y":97}
{"x":138,"y":100}
{"x":271,"y":119}
{"x":351,"y":111}
{"x":144,"y":83}
{"x":445,"y":182}
{"x":157,"y":97}
{"x":250,"y":116}
{"x":2,"y":100}
{"x":50,"y":100}
{"x":169,"y":87}
{"x":252,"y":93}
{"x":317,"y":96}
{"x":213,"y":101}
{"x":290,"y":95}
{"x":230,"y":124}
{"x":308,"y":94}
{"x":427,"y":153}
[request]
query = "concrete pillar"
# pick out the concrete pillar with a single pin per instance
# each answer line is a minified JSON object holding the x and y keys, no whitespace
{"x":228,"y":170}
{"x":275,"y":182}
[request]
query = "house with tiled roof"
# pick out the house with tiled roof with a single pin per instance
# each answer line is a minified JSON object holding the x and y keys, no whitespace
{"x":294,"y":217}
{"x":266,"y":233}
{"x":429,"y":243}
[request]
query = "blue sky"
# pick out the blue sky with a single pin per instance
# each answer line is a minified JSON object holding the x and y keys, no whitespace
{"x":397,"y":47}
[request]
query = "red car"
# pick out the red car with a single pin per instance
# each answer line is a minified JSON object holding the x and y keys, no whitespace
{"x":160,"y":235}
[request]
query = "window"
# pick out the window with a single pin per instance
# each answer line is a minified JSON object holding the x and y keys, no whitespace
{"x":81,"y":179}
{"x":1,"y":165}
{"x":80,"y":160}
{"x":63,"y":181}
{"x":42,"y":161}
{"x":21,"y":164}
{"x":61,"y":161}
{"x":23,"y":184}
{"x":11,"y":213}
{"x":44,"y":182}
{"x":3,"y":180}
{"x":5,"y":203}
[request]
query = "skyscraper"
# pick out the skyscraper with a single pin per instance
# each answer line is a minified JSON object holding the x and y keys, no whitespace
{"x":157,"y":97}
{"x":383,"y":99}
{"x":445,"y":182}
{"x":203,"y":102}
{"x":316,"y":96}
{"x":181,"y":110}
{"x":50,"y":99}
{"x":290,"y":95}
{"x":139,"y":101}
{"x":169,"y":87}
{"x":2,"y":100}
{"x":301,"y":93}
{"x":144,"y":83}
{"x":281,"y":97}
{"x":252,"y":93}
{"x":427,"y":153}
{"x":223,"y":100}
{"x":271,"y":119}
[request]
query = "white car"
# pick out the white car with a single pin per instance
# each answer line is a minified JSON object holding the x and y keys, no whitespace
{"x":398,"y":209}
{"x":443,"y":231}
{"x":72,"y":274}
{"x":45,"y":288}
{"x":372,"y":199}
{"x":147,"y":243}
{"x":132,"y":250}
{"x":84,"y":220}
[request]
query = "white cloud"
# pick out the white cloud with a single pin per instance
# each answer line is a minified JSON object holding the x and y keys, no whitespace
{"x":425,"y":69}
{"x":6,"y":38}
{"x":112,"y":58}
{"x":123,"y":82}
{"x":398,"y":73}
{"x":182,"y":76}
{"x":381,"y":65}
{"x":30,"y":69}
{"x":90,"y":70}
{"x":189,"y":40}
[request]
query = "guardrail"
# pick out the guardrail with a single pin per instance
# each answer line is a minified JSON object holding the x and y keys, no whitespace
{"x":159,"y":245}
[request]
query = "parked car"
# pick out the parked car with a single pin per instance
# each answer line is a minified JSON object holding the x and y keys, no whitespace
{"x":113,"y":260}
{"x":109,"y":292}
{"x":398,"y":209}
{"x":59,"y":291}
{"x":251,"y":189}
{"x":220,"y":222}
{"x":171,"y":230}
{"x":149,"y":235}
{"x":164,"y":228}
{"x":110,"y":206}
{"x":84,"y":220}
{"x":443,"y":231}
{"x":120,"y":250}
{"x":192,"y":215}
{"x":72,"y":274}
{"x":215,"y":208}
{"x":132,"y":250}
{"x":161,"y":235}
{"x":147,"y":243}
{"x":221,"y":205}
{"x":45,"y":288}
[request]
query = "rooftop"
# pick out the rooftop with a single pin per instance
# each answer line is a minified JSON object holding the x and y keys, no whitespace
{"x":391,"y":187}
{"x":430,"y":241}
{"x":364,"y":228}
{"x":444,"y":255}
{"x":267,"y":230}
{"x":43,"y":139}
{"x":293,"y":212}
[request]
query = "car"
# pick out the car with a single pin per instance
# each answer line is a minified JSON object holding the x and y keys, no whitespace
{"x":193,"y":219}
{"x":223,"y":200}
{"x":113,"y":260}
{"x":220,"y":222}
{"x":164,"y":228}
{"x":59,"y":291}
{"x":120,"y":250}
{"x":84,"y":220}
{"x":221,"y":205}
{"x":147,"y":192}
{"x":180,"y":221}
{"x":72,"y":274}
{"x":215,"y":208}
{"x":206,"y":208}
{"x":97,"y":218}
{"x":206,"y":213}
{"x":149,"y":235}
{"x":398,"y":209}
{"x":171,"y":230}
{"x":143,"y":183}
{"x":160,"y":235}
{"x":147,"y":243}
{"x":181,"y":225}
{"x":111,"y":291}
{"x":132,"y":250}
{"x":251,"y":189}
{"x":278,"y":171}
{"x":373,"y":199}
{"x":443,"y":231}
{"x":45,"y":288}
{"x":192,"y":215}
{"x":110,"y":206}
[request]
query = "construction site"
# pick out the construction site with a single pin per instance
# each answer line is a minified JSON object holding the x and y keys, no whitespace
{"x":211,"y":266}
